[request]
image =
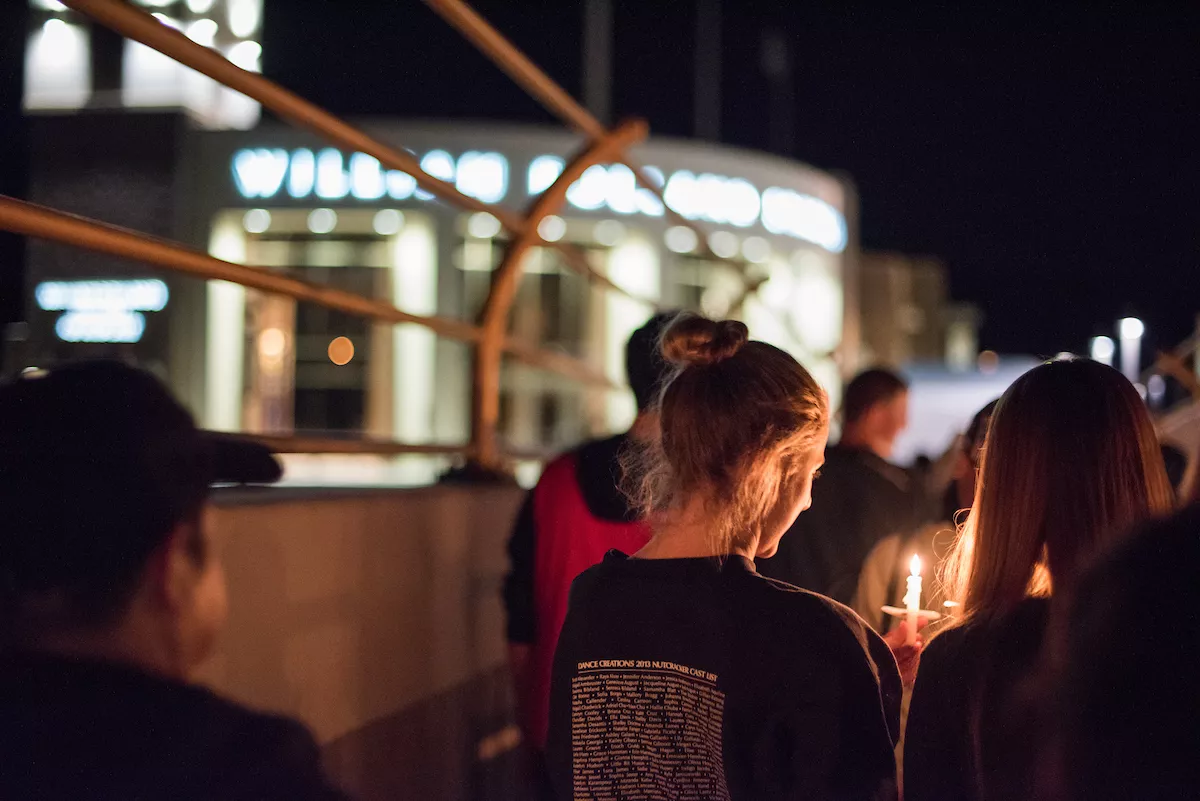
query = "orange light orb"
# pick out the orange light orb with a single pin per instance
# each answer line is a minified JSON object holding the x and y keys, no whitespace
{"x":341,"y":351}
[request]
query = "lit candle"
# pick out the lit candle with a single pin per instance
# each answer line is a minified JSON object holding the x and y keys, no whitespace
{"x":912,"y":598}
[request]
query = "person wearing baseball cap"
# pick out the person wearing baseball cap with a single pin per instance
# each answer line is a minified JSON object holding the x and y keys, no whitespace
{"x":111,"y":596}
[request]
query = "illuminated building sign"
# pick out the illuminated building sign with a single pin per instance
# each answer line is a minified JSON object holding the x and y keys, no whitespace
{"x":102,"y":311}
{"x":328,"y":174}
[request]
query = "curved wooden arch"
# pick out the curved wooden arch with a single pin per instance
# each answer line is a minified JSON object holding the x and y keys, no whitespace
{"x":541,"y":87}
{"x":494,"y":323}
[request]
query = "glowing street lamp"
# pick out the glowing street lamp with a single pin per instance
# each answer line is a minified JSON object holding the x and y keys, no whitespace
{"x":1103,"y":349}
{"x":1131,"y":330}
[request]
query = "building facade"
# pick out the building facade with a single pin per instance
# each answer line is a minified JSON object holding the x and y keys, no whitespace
{"x":908,"y":316}
{"x":281,"y":200}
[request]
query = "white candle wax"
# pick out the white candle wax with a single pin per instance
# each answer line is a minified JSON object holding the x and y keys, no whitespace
{"x":912,"y":598}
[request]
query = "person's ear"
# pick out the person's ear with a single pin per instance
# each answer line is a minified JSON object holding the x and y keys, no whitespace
{"x":876,"y":416}
{"x":172,"y":568}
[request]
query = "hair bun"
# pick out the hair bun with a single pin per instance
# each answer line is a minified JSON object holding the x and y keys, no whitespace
{"x":695,"y":340}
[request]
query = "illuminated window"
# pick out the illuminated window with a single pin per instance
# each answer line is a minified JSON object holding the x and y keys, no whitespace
{"x":58,"y":72}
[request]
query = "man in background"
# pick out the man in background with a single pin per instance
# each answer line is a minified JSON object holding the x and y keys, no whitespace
{"x":111,"y":596}
{"x":860,"y":497}
{"x":575,"y":515}
{"x":882,"y":580}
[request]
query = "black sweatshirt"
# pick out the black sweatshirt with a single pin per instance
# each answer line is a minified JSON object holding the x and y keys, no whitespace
{"x":699,"y":679}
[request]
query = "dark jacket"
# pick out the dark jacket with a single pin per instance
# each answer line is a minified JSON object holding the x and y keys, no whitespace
{"x":74,"y":730}
{"x":857,"y":501}
{"x":970,"y":735}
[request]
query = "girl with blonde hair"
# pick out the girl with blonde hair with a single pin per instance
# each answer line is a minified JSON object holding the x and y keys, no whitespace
{"x":681,"y":672}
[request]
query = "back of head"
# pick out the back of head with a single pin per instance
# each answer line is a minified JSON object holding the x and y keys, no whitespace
{"x":1176,"y":463}
{"x":977,"y":431}
{"x":645,"y":367}
{"x":98,"y":463}
{"x":1070,"y":460}
{"x":738,"y":417}
{"x":1123,"y":686}
{"x":869,"y":389}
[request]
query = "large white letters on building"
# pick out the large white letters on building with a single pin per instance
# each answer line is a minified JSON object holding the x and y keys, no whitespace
{"x":328,"y":174}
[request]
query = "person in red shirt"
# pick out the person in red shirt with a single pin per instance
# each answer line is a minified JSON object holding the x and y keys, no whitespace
{"x":571,"y":519}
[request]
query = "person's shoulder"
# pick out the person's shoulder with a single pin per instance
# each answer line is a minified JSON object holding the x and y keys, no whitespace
{"x":600,"y":449}
{"x":839,"y":459}
{"x":598,"y":575}
{"x":596,"y":451}
{"x":977,"y":636}
{"x":818,"y":610}
{"x":949,"y":643}
{"x":274,"y":752}
{"x":188,"y":731}
{"x":214,"y":712}
{"x":827,"y":627}
{"x":564,"y":462}
{"x":559,"y":472}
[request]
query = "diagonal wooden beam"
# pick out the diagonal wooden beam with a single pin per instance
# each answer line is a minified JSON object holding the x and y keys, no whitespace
{"x":514,"y":63}
{"x":140,"y":26}
{"x":486,"y":387}
{"x":21,"y":217}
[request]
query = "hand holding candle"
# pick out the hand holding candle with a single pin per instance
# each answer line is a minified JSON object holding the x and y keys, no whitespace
{"x":912,"y":598}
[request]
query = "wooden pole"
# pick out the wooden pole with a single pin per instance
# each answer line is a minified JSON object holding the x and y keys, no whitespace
{"x":486,"y":388}
{"x":21,"y":217}
{"x":142,"y":27}
{"x":505,"y":55}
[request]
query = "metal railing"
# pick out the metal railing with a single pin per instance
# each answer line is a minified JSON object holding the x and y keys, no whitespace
{"x":490,"y":337}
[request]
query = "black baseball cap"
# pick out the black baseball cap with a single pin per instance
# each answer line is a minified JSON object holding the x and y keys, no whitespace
{"x":98,"y":464}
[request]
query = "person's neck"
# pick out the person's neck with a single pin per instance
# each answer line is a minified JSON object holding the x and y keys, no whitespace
{"x":686,"y":533}
{"x":862,"y":440}
{"x":645,"y":427}
{"x":118,"y":645}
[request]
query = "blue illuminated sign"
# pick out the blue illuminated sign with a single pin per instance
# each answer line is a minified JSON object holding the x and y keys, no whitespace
{"x":328,"y":174}
{"x":102,"y":311}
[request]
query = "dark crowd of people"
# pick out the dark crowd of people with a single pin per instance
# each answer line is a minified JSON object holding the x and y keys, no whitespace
{"x":695,"y":607}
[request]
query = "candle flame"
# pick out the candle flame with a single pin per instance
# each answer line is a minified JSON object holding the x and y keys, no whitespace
{"x":914,"y":565}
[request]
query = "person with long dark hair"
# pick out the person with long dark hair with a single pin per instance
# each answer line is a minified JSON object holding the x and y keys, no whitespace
{"x":680,"y":672}
{"x":1070,"y":461}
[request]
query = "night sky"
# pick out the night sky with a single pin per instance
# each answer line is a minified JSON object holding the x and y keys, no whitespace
{"x":1051,"y":156}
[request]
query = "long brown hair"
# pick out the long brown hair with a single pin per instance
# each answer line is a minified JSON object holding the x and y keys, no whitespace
{"x":738,"y":420}
{"x":1071,"y":460}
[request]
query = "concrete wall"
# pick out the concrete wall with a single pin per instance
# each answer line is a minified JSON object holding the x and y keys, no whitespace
{"x":376,"y":619}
